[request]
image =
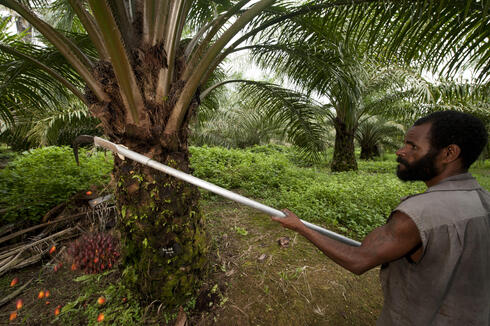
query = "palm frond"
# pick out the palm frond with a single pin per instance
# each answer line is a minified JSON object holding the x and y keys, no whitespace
{"x":312,"y":69}
{"x":235,"y":122}
{"x":27,"y":73}
{"x":203,"y":11}
{"x":375,"y":133}
{"x":438,"y":35}
{"x":123,"y":70}
{"x":441,"y":36}
{"x":62,"y":127}
{"x":298,"y":114}
{"x":465,"y":97}
{"x":236,"y":127}
{"x":62,"y":16}
{"x":208,"y":59}
{"x":213,"y":100}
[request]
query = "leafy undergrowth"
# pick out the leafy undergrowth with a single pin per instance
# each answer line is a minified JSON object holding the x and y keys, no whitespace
{"x":42,"y":178}
{"x":351,"y":202}
{"x":253,"y":281}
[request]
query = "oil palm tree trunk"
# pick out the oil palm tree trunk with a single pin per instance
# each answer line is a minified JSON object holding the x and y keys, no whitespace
{"x":161,"y":226}
{"x":344,"y":158}
{"x":162,"y":231}
{"x":369,"y":151}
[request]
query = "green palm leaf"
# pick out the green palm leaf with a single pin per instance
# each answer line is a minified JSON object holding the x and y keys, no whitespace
{"x":298,"y":114}
{"x":439,"y":35}
{"x":375,"y":133}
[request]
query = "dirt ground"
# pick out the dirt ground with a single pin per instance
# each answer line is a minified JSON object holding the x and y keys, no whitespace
{"x":256,"y":281}
{"x":267,"y":284}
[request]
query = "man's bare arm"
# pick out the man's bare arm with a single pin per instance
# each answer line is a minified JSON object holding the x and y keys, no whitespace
{"x":386,"y":243}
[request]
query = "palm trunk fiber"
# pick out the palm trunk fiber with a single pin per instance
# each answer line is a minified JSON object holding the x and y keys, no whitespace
{"x":162,"y":230}
{"x":344,"y":158}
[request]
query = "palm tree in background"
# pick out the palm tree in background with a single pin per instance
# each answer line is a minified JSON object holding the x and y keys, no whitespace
{"x":234,"y":123}
{"x":375,"y":133}
{"x":350,"y":87}
{"x":140,"y":66}
{"x":327,"y":56}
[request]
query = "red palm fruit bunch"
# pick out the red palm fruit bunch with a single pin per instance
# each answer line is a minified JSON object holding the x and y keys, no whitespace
{"x":94,"y":253}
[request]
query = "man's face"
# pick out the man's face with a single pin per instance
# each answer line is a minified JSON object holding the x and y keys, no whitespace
{"x":417,"y":158}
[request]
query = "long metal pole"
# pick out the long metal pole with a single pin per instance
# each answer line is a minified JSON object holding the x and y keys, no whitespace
{"x":123,"y":151}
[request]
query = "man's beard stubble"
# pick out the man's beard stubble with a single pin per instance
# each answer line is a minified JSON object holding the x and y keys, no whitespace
{"x":422,"y":170}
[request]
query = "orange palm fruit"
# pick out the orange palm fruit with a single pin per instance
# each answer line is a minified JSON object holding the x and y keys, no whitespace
{"x":14,"y":281}
{"x":13,"y":315}
{"x":57,"y":266}
{"x":47,"y":294}
{"x":40,"y":295}
{"x":19,"y":304}
{"x":57,"y":311}
{"x":100,"y":318}
{"x":53,"y":249}
{"x":101,"y":300}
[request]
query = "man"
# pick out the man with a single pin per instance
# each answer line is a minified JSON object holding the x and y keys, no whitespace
{"x":435,"y":247}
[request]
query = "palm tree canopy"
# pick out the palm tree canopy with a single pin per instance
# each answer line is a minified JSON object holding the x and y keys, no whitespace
{"x":429,"y":33}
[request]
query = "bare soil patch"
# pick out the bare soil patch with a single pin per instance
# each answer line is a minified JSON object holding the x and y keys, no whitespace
{"x":268,"y":284}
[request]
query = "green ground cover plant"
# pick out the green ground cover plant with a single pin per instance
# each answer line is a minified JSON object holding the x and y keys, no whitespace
{"x":36,"y":181}
{"x":119,"y":307}
{"x":351,"y":202}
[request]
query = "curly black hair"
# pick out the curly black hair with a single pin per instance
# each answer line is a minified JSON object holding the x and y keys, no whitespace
{"x":462,"y":129}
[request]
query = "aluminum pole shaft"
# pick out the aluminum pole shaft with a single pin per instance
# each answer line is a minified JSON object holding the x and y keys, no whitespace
{"x":123,"y":151}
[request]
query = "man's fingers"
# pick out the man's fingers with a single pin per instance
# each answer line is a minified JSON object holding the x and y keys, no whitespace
{"x":275,"y":218}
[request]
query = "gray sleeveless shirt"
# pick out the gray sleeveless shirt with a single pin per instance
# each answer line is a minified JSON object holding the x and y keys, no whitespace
{"x":450,"y":284}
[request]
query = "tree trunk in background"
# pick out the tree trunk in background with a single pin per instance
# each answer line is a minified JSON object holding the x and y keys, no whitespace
{"x":344,"y":158}
{"x":369,"y":151}
{"x":22,"y":25}
{"x":164,"y":243}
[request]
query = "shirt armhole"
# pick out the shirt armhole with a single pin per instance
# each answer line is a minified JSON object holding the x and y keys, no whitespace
{"x":423,"y":235}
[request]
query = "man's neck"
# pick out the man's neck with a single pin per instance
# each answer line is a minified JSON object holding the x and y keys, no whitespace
{"x":445,"y":174}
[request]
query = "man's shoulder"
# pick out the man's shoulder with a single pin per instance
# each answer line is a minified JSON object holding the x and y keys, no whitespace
{"x":458,"y":182}
{"x":432,"y":209}
{"x":448,"y":187}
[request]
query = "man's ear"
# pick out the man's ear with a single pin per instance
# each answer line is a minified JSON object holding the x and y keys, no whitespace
{"x":451,"y":153}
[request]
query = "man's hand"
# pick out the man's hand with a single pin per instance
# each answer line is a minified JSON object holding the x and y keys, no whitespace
{"x":291,"y":221}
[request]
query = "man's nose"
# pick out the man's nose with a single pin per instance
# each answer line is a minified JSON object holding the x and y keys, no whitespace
{"x":400,"y":152}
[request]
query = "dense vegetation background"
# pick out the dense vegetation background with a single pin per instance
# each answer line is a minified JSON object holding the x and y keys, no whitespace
{"x":351,"y":202}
